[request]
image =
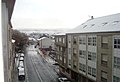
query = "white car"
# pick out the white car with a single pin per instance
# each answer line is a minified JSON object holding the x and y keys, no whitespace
{"x":22,"y":55}
{"x":21,"y":59}
{"x":21,"y":64}
{"x":63,"y":79}
{"x":21,"y":74}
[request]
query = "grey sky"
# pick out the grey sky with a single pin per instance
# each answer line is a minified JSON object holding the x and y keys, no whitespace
{"x":51,"y":14}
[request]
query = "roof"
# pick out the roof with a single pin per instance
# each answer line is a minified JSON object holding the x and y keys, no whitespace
{"x":64,"y":33}
{"x":108,"y":23}
{"x":42,"y":38}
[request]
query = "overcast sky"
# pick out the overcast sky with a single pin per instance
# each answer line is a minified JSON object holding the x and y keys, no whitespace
{"x":52,"y":14}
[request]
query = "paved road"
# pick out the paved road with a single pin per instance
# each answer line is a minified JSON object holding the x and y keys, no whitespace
{"x":37,"y":69}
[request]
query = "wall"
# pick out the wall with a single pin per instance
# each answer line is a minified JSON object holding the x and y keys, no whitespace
{"x":5,"y":39}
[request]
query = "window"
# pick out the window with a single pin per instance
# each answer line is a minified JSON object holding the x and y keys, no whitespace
{"x":116,"y":62}
{"x":69,"y":62}
{"x":89,"y":41}
{"x":74,"y":64}
{"x":82,"y":53}
{"x":92,"y":41}
{"x":64,"y":60}
{"x":82,"y":40}
{"x":116,"y":79}
{"x":69,"y":50}
{"x":61,"y":49}
{"x":61,"y":58}
{"x":103,"y":79}
{"x":69,"y":41}
{"x":57,"y":48}
{"x":103,"y":24}
{"x":103,"y":76}
{"x":82,"y":67}
{"x":56,"y":39}
{"x":117,"y":43}
{"x":104,"y":42}
{"x":84,"y":26}
{"x":74,"y":40}
{"x":74,"y":51}
{"x":63,"y":40}
{"x":104,"y":59}
{"x":92,"y":56}
{"x":59,"y":39}
{"x":89,"y":70}
{"x":115,"y":22}
{"x":93,"y":72}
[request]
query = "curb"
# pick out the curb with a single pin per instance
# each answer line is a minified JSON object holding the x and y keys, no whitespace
{"x":41,"y":54}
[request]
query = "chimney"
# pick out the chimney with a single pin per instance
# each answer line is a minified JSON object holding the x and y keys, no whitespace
{"x":92,"y":17}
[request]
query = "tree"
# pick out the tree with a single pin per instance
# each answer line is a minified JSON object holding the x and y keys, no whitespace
{"x":21,"y":39}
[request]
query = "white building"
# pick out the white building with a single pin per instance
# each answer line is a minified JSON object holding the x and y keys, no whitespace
{"x":45,"y":42}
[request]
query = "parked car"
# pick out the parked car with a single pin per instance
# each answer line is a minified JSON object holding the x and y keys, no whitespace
{"x":22,"y":55}
{"x":17,"y":55}
{"x":63,"y":79}
{"x":21,"y":74}
{"x":21,"y":65}
{"x":21,"y":59}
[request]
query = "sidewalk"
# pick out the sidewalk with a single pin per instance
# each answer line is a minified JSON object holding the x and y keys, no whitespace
{"x":46,"y":57}
{"x":15,"y":77}
{"x":49,"y":60}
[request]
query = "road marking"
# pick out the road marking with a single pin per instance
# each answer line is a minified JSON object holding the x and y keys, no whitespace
{"x":36,"y":71}
{"x":47,"y":69}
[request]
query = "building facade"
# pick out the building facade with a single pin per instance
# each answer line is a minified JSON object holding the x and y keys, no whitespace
{"x":8,"y":57}
{"x":61,"y":54}
{"x":93,"y":50}
{"x":46,"y":42}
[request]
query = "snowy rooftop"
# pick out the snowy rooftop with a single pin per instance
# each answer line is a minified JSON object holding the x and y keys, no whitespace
{"x":108,"y":23}
{"x":41,"y":38}
{"x":45,"y":38}
{"x":64,"y":33}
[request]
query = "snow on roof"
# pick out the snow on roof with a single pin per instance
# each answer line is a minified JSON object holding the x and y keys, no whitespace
{"x":31,"y":38}
{"x":42,"y":38}
{"x":108,"y":23}
{"x":60,"y":34}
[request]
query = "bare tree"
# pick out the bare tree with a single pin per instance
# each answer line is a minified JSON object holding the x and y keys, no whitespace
{"x":21,"y":39}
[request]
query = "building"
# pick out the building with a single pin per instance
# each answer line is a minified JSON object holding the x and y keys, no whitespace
{"x":93,"y":50}
{"x":61,"y":54}
{"x":45,"y":43}
{"x":8,"y":57}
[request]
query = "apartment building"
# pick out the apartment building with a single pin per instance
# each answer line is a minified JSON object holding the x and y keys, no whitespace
{"x":61,"y":54}
{"x":8,"y":57}
{"x":93,"y":50}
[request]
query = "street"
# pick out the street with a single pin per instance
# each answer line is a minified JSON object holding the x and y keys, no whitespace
{"x":37,"y":68}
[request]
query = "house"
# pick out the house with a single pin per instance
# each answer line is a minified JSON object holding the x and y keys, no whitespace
{"x":93,"y":50}
{"x":8,"y":57}
{"x":46,"y":43}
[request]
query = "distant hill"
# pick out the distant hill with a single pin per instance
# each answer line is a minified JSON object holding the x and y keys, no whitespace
{"x":48,"y":31}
